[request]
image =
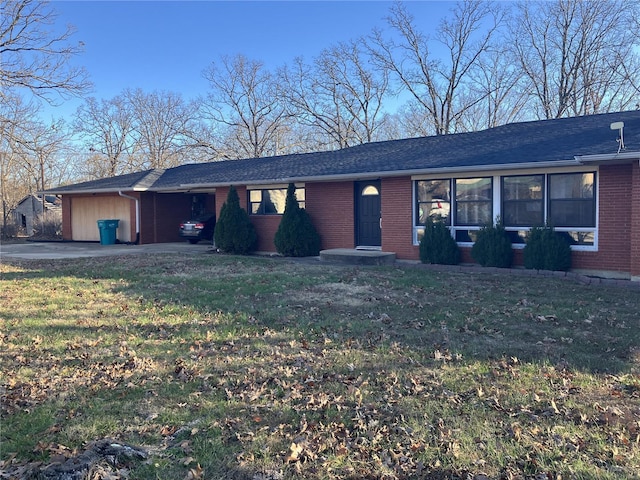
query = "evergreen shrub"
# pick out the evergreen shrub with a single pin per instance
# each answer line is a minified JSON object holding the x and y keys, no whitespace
{"x":546,"y":249}
{"x":234,"y":232}
{"x":437,"y":246}
{"x":493,"y":246}
{"x":296,"y":236}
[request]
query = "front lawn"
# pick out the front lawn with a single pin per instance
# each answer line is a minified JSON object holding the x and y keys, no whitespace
{"x":245,"y":367}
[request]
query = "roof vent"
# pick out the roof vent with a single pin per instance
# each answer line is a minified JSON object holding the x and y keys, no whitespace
{"x":620,"y":127}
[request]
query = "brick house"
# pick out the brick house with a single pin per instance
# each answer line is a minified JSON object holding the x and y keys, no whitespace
{"x":581,"y":174}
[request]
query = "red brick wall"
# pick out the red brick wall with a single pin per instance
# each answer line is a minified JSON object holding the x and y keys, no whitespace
{"x":266,"y":227}
{"x":397,"y":222}
{"x":221,"y":198}
{"x":331,"y":208}
{"x":614,"y":222}
{"x":329,"y":204}
{"x":634,"y":200}
{"x":221,"y":195}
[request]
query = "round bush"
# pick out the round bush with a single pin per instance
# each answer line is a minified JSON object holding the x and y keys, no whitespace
{"x":493,"y":247}
{"x":546,"y":249}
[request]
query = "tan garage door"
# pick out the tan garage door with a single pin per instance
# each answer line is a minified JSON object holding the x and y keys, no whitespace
{"x":86,"y":211}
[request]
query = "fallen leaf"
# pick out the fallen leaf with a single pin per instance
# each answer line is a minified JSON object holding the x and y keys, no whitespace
{"x":168,"y":430}
{"x":296,"y":450}
{"x":194,"y":473}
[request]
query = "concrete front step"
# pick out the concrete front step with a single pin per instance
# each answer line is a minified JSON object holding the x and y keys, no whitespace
{"x":352,"y":256}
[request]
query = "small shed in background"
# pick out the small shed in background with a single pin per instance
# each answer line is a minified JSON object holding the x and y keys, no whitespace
{"x":34,"y":207}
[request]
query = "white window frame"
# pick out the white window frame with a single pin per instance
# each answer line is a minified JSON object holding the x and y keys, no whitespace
{"x":497,"y":202}
{"x":277,"y":186}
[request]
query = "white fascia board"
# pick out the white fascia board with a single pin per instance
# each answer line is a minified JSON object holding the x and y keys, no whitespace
{"x":608,"y":157}
{"x":496,"y":168}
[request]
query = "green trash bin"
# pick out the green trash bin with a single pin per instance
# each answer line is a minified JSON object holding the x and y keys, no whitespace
{"x":108,"y":231}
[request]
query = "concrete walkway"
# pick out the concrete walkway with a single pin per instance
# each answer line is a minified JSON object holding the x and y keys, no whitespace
{"x":353,"y":256}
{"x":55,"y":250}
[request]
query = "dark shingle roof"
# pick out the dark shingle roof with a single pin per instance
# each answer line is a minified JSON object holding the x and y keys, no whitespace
{"x":120,"y":182}
{"x":532,"y":143}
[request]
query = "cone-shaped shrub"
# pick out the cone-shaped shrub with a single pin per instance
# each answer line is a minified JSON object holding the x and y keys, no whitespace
{"x":296,"y":236}
{"x":546,"y":249}
{"x":234,"y":232}
{"x":493,"y":247}
{"x":437,"y":245}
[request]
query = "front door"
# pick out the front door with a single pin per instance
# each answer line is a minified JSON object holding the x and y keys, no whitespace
{"x":368,"y":214}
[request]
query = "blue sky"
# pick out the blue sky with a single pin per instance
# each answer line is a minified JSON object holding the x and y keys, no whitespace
{"x":165,"y":45}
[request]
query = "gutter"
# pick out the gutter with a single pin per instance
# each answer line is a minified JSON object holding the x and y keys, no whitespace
{"x":608,"y":157}
{"x":137,"y":241}
{"x":90,"y":191}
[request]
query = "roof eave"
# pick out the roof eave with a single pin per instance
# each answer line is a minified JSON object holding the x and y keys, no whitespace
{"x":610,"y":158}
{"x":86,"y":191}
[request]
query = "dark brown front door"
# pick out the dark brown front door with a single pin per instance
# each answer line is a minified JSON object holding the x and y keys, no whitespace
{"x":368,"y":232}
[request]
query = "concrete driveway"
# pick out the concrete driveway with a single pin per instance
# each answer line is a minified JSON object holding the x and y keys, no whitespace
{"x":55,"y":250}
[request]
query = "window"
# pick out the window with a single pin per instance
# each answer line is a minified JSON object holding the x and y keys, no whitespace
{"x":474,"y":201}
{"x":568,"y":204}
{"x":434,"y":201}
{"x":523,"y":201}
{"x":572,"y":201}
{"x":567,"y":201}
{"x":198,"y":205}
{"x":471,"y":205}
{"x":271,"y":201}
{"x":370,"y":190}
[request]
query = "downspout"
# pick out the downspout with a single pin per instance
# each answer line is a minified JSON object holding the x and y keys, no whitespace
{"x":137,"y":241}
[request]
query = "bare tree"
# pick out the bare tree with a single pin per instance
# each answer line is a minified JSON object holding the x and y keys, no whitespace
{"x":243,"y":99}
{"x":15,"y":118}
{"x":497,"y":81}
{"x":339,"y":97}
{"x":107,"y":128}
{"x":160,"y":122}
{"x":41,"y":149}
{"x":578,"y":57}
{"x":438,"y":86}
{"x":204,"y":140}
{"x":35,"y":58}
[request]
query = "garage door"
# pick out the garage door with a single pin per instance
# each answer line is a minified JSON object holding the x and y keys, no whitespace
{"x":86,"y":211}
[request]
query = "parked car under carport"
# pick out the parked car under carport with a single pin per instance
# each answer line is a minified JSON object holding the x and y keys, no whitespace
{"x":199,"y":228}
